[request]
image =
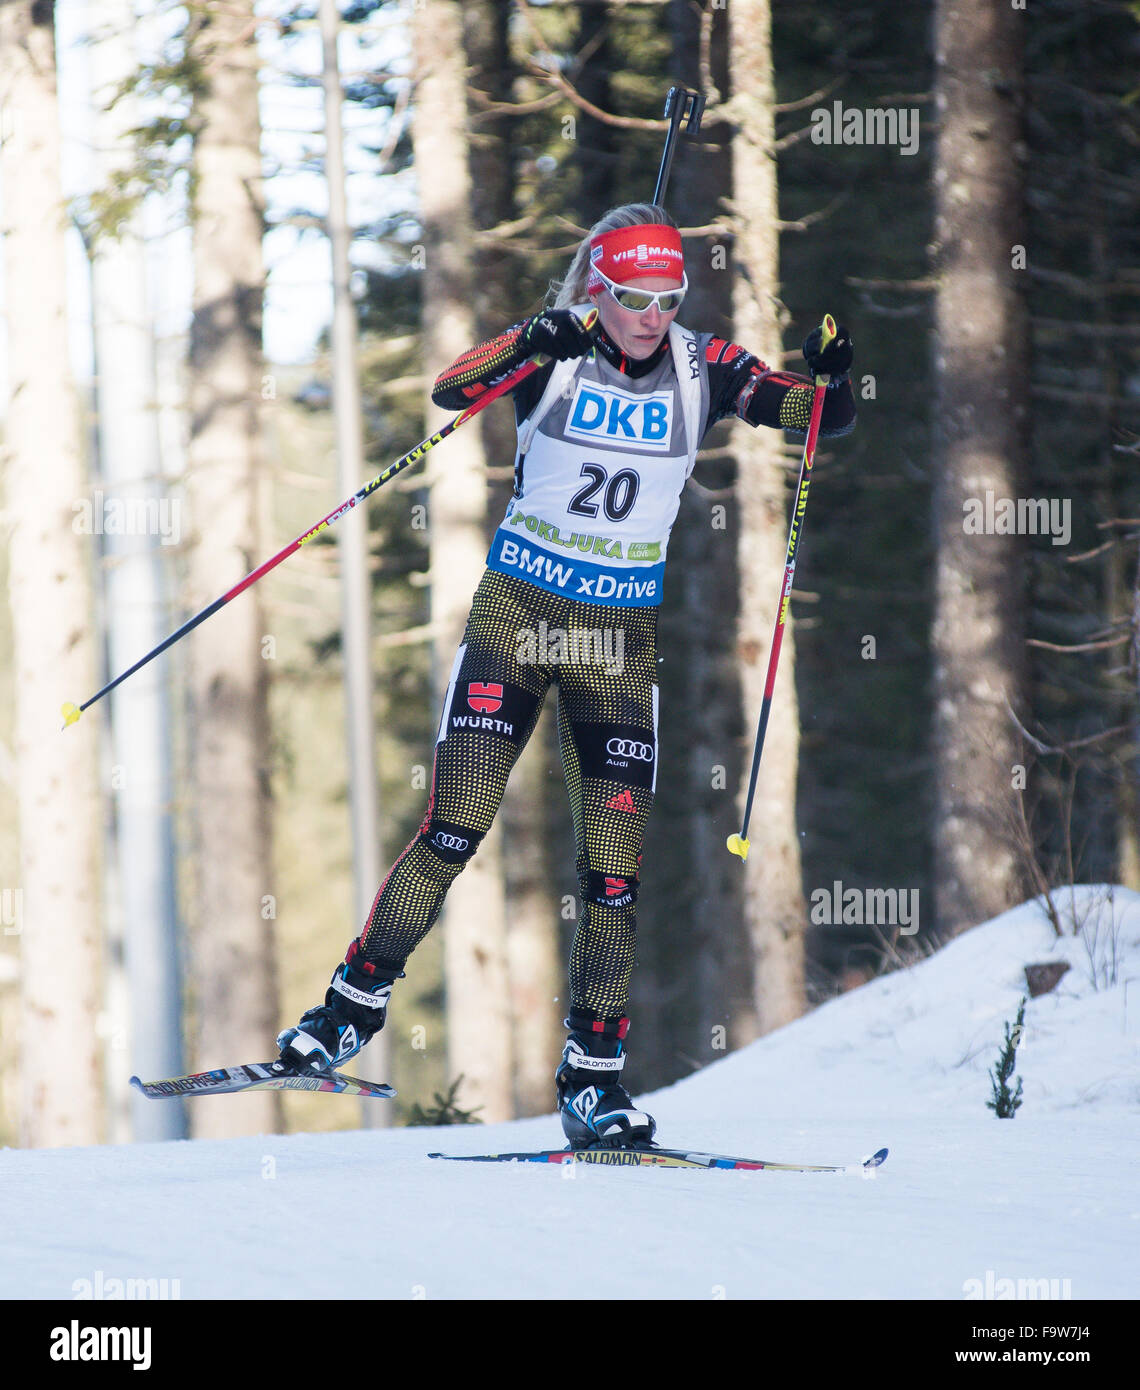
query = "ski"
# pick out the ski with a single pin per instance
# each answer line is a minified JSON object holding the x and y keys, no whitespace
{"x":653,"y":1157}
{"x":259,"y":1076}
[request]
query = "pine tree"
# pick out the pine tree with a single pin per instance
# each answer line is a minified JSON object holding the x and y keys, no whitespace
{"x":1004,"y":1102}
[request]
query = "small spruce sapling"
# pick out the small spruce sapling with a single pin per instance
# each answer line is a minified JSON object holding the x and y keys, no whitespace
{"x":1005,"y":1102}
{"x":445,"y":1111}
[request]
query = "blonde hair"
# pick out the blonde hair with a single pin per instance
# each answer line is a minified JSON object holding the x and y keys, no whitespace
{"x":572,"y":290}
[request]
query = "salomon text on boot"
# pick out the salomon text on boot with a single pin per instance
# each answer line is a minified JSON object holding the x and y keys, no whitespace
{"x":355,"y":1007}
{"x":596,"y":1110}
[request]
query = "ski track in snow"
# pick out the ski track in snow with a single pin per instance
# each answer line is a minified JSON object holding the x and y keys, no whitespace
{"x":904,"y":1061}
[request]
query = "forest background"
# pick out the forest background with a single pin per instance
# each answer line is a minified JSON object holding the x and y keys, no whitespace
{"x":957,"y":714}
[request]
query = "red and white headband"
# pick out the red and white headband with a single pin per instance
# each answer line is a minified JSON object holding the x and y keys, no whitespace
{"x":630,"y":253}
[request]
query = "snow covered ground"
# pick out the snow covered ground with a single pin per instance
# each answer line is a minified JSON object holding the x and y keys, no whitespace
{"x":964,"y":1202}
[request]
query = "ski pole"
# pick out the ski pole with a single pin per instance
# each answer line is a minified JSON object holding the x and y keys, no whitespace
{"x":71,"y":712}
{"x":738,"y":844}
{"x":681,"y":106}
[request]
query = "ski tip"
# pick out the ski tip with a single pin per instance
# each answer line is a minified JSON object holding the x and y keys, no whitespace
{"x":70,"y":714}
{"x":136,"y":1082}
{"x":367,"y":1090}
{"x":738,"y":845}
{"x":876,"y":1158}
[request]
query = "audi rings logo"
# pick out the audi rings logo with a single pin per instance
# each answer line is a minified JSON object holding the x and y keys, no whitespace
{"x":448,"y":841}
{"x":627,"y":748}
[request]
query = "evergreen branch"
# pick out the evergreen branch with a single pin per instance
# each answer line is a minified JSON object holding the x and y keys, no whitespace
{"x":490,"y":107}
{"x":1080,"y":646}
{"x":810,"y":219}
{"x":821,"y":94}
{"x":924,"y":284}
{"x":550,"y":73}
{"x":704,"y":59}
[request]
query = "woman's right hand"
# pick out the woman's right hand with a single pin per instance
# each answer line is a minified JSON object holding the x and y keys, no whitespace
{"x":556,"y":333}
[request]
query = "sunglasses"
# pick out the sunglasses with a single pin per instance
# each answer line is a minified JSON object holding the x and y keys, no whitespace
{"x":640,"y":300}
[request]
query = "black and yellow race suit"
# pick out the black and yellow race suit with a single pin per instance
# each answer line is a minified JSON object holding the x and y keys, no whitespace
{"x":586,"y":532}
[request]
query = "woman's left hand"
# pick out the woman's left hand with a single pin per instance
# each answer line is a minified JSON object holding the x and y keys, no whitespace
{"x":835,"y":359}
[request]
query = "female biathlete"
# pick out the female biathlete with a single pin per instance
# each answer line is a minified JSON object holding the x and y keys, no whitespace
{"x":608,"y":433}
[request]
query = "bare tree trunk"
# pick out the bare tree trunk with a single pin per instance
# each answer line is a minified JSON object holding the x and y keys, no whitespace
{"x":1130,"y":857}
{"x":137,"y":616}
{"x":722,"y":984}
{"x":1109,"y":503}
{"x":534,"y":963}
{"x":234,"y":976}
{"x":352,"y":543}
{"x":475,"y":948}
{"x":981,"y":373}
{"x":1121,"y":604}
{"x":597,"y":153}
{"x":486,"y":33}
{"x":773,"y":889}
{"x":49,"y":585}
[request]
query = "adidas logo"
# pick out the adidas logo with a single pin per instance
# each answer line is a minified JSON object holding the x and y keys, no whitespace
{"x":622,"y":802}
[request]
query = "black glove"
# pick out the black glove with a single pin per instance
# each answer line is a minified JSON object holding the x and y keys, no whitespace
{"x":835,"y":359}
{"x":556,"y":333}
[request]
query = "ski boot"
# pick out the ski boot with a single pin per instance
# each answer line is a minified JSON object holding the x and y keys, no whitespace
{"x":355,"y":1007}
{"x":597,"y":1111}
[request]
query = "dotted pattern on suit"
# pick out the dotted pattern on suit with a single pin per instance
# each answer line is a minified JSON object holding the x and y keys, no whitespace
{"x":470,"y":375}
{"x":472,"y":766}
{"x":795,"y":408}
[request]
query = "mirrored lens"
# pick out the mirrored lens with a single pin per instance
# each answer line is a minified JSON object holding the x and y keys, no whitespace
{"x":639,"y":300}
